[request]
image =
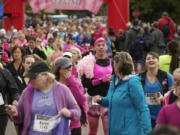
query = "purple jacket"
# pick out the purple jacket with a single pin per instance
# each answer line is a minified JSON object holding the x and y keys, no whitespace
{"x":78,"y":92}
{"x":62,"y":96}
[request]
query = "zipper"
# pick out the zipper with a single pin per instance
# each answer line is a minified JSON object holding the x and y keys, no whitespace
{"x":111,"y":110}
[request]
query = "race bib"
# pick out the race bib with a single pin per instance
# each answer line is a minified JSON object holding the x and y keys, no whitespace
{"x":87,"y":44}
{"x":151,"y":98}
{"x":45,"y":123}
{"x":1,"y":99}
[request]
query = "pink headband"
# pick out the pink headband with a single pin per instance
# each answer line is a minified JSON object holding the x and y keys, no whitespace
{"x":100,"y":40}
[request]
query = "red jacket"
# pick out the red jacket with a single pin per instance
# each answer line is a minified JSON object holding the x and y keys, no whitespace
{"x":163,"y":21}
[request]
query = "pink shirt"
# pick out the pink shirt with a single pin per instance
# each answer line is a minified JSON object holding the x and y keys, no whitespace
{"x":21,"y":43}
{"x":5,"y":57}
{"x":101,"y":71}
{"x":53,"y":56}
{"x":44,"y":43}
{"x":169,"y":115}
{"x":6,"y":46}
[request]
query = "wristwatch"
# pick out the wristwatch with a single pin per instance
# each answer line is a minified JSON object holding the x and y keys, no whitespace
{"x":101,"y":80}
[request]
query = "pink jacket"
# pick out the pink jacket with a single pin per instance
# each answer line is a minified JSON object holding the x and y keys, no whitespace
{"x":5,"y":57}
{"x":74,"y":71}
{"x":79,"y":94}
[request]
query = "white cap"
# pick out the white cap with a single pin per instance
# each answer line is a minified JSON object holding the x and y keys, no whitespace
{"x":3,"y":31}
{"x":68,"y":54}
{"x":56,"y":29}
{"x":14,"y":30}
{"x":52,"y":28}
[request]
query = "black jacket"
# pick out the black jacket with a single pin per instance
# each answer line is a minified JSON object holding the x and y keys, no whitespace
{"x":102,"y":88}
{"x":131,"y":36}
{"x":40,"y":53}
{"x":8,"y":89}
{"x":17,"y":75}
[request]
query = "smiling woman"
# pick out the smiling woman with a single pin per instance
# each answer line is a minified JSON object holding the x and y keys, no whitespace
{"x":155,"y":83}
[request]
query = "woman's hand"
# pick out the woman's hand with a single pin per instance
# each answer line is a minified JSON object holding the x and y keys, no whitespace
{"x":109,"y":76}
{"x":85,"y":124}
{"x":15,"y":103}
{"x":67,"y":74}
{"x":96,"y":99}
{"x":11,"y":110}
{"x":160,"y":98}
{"x":65,"y":112}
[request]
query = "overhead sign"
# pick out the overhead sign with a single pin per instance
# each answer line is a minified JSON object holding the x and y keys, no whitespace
{"x":90,"y":5}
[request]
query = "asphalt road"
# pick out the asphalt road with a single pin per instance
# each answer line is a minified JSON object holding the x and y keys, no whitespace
{"x":11,"y":130}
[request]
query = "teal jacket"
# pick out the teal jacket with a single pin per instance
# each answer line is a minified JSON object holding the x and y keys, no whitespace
{"x":128,"y":110}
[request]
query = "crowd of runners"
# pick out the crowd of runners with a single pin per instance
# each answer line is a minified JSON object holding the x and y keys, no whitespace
{"x":57,"y":76}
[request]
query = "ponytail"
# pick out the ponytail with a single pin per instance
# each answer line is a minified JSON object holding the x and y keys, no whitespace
{"x":173,"y":50}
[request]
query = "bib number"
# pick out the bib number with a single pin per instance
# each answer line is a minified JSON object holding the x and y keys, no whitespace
{"x":45,"y":123}
{"x":151,"y":98}
{"x":1,"y":99}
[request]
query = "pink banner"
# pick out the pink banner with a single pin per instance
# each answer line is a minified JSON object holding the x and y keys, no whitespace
{"x":91,"y":5}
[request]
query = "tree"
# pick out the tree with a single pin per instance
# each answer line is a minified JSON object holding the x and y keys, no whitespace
{"x":151,"y":10}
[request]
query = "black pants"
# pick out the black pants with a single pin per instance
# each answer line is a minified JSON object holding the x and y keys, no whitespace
{"x":3,"y":123}
{"x":76,"y":131}
{"x":153,"y":123}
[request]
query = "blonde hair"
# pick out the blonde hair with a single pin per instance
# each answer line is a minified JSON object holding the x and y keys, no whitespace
{"x":77,"y":51}
{"x":51,"y":77}
{"x":59,"y":45}
{"x":124,"y":62}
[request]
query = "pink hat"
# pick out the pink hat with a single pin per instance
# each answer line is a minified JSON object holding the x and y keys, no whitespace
{"x":99,"y":40}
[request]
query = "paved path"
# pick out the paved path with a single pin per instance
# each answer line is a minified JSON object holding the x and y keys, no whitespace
{"x":11,"y":130}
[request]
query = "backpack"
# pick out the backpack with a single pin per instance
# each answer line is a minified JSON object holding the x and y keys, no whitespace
{"x":147,"y":42}
{"x":161,"y":77}
{"x":166,"y":29}
{"x":161,"y":44}
{"x":137,"y":47}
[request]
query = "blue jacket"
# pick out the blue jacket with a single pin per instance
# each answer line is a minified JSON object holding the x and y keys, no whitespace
{"x":128,"y":110}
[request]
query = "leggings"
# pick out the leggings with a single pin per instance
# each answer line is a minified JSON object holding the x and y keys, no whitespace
{"x":94,"y":124}
{"x":3,"y":123}
{"x":76,"y":131}
{"x":153,"y":123}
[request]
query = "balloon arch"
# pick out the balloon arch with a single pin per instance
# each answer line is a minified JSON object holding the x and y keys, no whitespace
{"x":118,"y":14}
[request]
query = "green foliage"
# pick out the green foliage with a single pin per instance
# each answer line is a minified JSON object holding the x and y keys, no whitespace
{"x":151,"y":10}
{"x":76,"y":12}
